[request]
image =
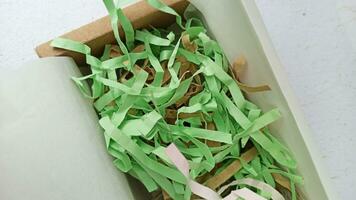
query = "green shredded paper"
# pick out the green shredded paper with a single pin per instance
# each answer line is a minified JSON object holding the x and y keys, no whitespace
{"x":158,"y":86}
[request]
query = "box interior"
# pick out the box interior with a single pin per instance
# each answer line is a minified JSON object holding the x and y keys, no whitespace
{"x":239,"y":31}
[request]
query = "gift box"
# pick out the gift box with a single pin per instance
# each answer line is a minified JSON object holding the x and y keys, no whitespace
{"x":239,"y":29}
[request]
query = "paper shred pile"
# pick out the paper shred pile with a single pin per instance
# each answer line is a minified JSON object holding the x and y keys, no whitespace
{"x":159,"y":87}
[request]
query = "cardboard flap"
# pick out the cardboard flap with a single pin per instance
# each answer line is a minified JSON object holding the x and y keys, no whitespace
{"x":99,"y":32}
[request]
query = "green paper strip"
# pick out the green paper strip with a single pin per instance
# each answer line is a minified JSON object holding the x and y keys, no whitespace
{"x":164,"y":8}
{"x":138,"y":154}
{"x":142,"y":126}
{"x":70,"y":45}
{"x":205,"y":134}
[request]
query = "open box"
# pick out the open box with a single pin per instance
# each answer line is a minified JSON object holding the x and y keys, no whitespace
{"x":237,"y":26}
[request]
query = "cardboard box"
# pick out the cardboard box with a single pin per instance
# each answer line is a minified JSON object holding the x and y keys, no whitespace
{"x":238,"y":27}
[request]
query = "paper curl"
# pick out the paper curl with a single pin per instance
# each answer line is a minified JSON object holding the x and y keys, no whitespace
{"x":205,"y":192}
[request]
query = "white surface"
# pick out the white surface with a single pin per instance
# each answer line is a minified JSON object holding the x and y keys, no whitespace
{"x":48,"y":148}
{"x":316,"y":41}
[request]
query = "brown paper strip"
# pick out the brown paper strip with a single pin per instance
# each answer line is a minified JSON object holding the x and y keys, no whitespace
{"x":230,"y":170}
{"x":211,"y":126}
{"x":283,"y":185}
{"x":187,"y":44}
{"x":138,"y":48}
{"x":252,"y":89}
{"x":193,"y":90}
{"x":281,"y":180}
{"x":115,"y":51}
{"x":239,"y":66}
{"x":166,"y":75}
{"x":172,"y":114}
{"x":166,"y":196}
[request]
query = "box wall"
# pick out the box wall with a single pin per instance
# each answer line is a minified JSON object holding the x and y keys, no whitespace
{"x":240,"y":31}
{"x":99,"y":32}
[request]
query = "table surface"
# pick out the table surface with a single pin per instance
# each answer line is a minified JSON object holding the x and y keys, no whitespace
{"x":315,"y":40}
